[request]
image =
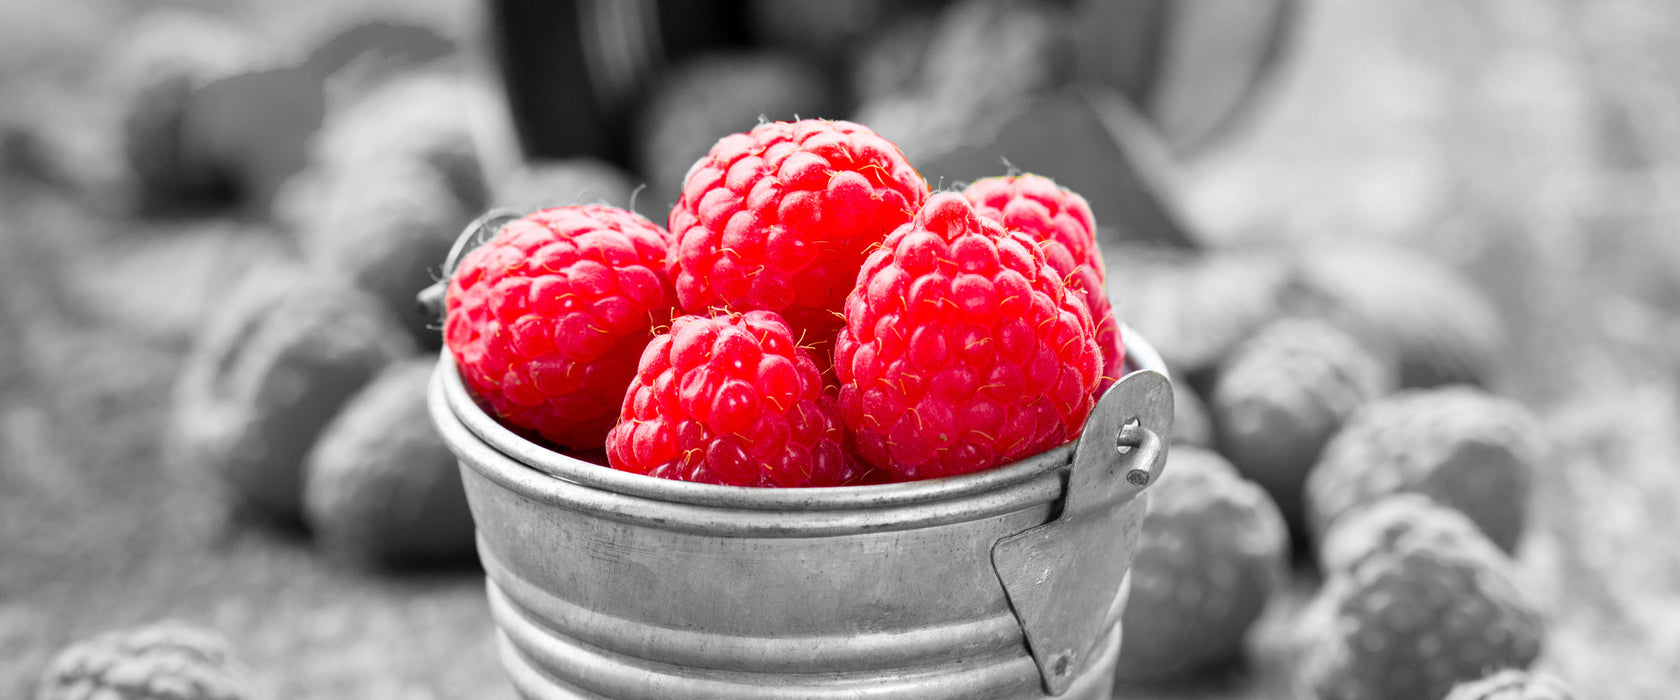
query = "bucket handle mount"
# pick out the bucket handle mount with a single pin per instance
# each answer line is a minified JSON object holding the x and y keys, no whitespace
{"x":1063,"y":577}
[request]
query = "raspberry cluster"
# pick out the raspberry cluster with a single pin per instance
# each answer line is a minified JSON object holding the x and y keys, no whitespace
{"x":961,"y":335}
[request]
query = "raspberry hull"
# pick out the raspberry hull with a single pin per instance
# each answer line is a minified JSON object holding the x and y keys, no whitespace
{"x":780,"y":218}
{"x":1061,"y":221}
{"x":546,"y":320}
{"x":962,"y":349}
{"x":731,"y":400}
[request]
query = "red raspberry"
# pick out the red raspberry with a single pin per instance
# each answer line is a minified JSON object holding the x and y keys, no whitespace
{"x":1061,"y":221}
{"x":962,"y":348}
{"x":546,"y":320}
{"x":780,"y":218}
{"x":731,"y":399}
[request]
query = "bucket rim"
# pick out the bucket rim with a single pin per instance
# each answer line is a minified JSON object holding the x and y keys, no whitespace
{"x":451,"y":395}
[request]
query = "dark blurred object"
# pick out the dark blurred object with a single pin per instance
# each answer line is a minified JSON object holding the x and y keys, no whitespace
{"x":425,"y":118}
{"x":575,"y":70}
{"x":269,"y":370}
{"x":709,"y":97}
{"x":208,"y":113}
{"x":393,"y":176}
{"x":1459,"y":445}
{"x":1120,"y":44}
{"x":216,"y":114}
{"x":167,"y":660}
{"x":386,"y":231}
{"x":934,"y":88}
{"x":381,"y":488}
{"x":168,"y":60}
{"x":1196,"y":308}
{"x":1212,"y":553}
{"x":1282,"y":394}
{"x":253,"y":128}
{"x":1426,"y":606}
{"x":1376,"y":527}
{"x":1193,"y":66}
{"x":1094,"y":145}
{"x":833,"y":31}
{"x":213,"y":113}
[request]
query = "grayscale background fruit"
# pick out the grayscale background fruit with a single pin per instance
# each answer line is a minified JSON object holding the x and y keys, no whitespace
{"x":1213,"y":551}
{"x":1459,"y":445}
{"x":167,"y":660}
{"x":380,"y":486}
{"x":1417,"y":614}
{"x":1282,"y":394}
{"x":274,"y":365}
{"x":711,"y":96}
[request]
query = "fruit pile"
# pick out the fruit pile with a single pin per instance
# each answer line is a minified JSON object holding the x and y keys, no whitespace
{"x":305,"y":391}
{"x":1352,"y":422}
{"x":812,"y":316}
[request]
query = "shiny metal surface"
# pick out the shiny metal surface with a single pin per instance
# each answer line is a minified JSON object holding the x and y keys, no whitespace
{"x":609,"y":584}
{"x":1060,"y":576}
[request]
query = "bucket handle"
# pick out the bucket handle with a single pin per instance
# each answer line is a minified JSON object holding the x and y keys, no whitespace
{"x":1063,"y":577}
{"x":477,"y":233}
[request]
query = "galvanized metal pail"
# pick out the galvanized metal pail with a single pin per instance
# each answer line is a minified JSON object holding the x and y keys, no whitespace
{"x":1006,"y":583}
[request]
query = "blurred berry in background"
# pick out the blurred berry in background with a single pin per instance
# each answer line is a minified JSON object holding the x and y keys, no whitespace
{"x":1213,"y":551}
{"x":1282,"y":394}
{"x":168,"y":660}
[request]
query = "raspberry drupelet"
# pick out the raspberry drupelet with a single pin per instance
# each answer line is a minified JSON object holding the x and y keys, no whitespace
{"x":780,"y":218}
{"x":547,"y":319}
{"x":1062,"y":223}
{"x":731,"y":399}
{"x":962,"y":348}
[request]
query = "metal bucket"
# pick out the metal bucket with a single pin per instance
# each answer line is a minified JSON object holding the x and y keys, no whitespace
{"x":1006,"y":583}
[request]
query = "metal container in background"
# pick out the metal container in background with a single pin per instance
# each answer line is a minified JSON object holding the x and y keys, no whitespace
{"x":1002,"y":583}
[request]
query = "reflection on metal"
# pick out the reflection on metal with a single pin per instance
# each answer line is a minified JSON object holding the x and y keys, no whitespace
{"x":1060,"y":576}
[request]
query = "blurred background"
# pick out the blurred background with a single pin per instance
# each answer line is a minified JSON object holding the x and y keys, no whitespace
{"x":199,"y":197}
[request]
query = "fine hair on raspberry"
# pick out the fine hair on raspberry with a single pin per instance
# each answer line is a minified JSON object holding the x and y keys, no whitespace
{"x":731,"y":399}
{"x":962,"y":348}
{"x":546,"y":320}
{"x":780,"y":218}
{"x":1066,"y":230}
